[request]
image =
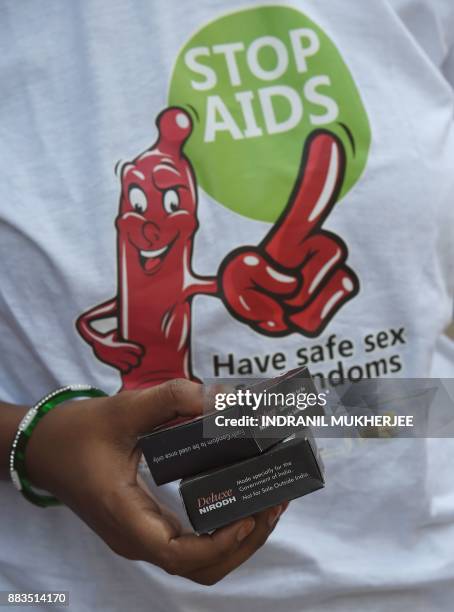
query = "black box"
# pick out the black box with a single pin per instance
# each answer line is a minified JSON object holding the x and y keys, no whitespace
{"x":290,"y":469}
{"x":199,"y":445}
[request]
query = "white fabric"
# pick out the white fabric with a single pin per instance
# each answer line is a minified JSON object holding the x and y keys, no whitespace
{"x":81,"y":85}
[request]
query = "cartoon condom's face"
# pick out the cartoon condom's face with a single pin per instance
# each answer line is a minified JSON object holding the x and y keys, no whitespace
{"x":158,"y":200}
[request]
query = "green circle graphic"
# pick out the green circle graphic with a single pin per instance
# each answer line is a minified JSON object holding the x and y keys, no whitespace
{"x":257,"y":82}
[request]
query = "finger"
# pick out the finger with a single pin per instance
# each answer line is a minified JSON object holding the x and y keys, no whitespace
{"x":314,"y":195}
{"x":250,"y":284}
{"x":250,"y":268}
{"x":194,"y":552}
{"x":148,"y":408}
{"x":213,"y":391}
{"x":132,"y":358}
{"x":136,"y":349}
{"x":268,"y":313}
{"x":322,"y":253}
{"x":124,"y":366}
{"x":131,"y":347}
{"x":165,"y":512}
{"x":341,"y":287}
{"x":265,"y":522}
{"x":158,"y":541}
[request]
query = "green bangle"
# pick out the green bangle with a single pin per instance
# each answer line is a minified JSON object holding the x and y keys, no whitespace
{"x":17,"y":467}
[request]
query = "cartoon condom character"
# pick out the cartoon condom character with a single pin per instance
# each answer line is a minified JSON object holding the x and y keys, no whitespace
{"x":295,"y":280}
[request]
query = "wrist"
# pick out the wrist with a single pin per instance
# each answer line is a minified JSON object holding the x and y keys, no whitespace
{"x":22,"y":476}
{"x":10,"y":417}
{"x":40,"y":447}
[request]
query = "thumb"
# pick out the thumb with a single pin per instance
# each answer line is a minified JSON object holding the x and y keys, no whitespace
{"x":149,"y":408}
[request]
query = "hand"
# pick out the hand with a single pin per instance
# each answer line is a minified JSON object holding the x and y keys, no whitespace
{"x":120,"y":354}
{"x":85,"y":453}
{"x":296,"y":279}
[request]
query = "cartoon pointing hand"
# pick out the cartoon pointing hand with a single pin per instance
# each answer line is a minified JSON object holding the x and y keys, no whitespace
{"x":296,"y":278}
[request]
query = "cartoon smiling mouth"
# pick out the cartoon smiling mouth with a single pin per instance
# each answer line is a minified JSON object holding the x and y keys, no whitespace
{"x":151,"y":260}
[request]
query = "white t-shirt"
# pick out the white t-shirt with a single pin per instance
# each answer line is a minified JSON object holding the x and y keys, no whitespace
{"x":367,"y":250}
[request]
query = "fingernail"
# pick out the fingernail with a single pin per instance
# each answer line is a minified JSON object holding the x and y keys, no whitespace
{"x":274,"y":515}
{"x":245,"y":530}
